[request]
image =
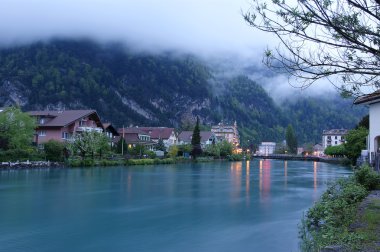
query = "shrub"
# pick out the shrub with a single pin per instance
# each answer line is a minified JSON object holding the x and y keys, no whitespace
{"x":327,"y":222}
{"x":54,"y":150}
{"x":367,"y":177}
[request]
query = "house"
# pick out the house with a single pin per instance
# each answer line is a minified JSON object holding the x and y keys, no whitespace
{"x":135,"y":136}
{"x":226,"y":132}
{"x":266,"y":148}
{"x":63,"y":125}
{"x":207,"y":138}
{"x":333,"y":137}
{"x":318,"y":150}
{"x":373,"y":142}
{"x":110,"y":132}
{"x":168,"y":135}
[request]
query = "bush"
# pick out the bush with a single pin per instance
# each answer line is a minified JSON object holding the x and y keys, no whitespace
{"x":54,"y":150}
{"x":20,"y":155}
{"x":367,"y":177}
{"x":327,"y":222}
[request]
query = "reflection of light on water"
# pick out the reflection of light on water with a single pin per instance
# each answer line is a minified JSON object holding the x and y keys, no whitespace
{"x":315,"y":176}
{"x":286,"y":173}
{"x":247,"y":181}
{"x":265,"y":169}
{"x":129,"y":184}
{"x":261,"y":177}
{"x":236,"y":178}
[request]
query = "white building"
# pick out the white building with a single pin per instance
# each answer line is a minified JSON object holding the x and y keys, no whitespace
{"x":267,"y":148}
{"x":333,"y":137}
{"x":227,"y":132}
{"x":373,"y":101}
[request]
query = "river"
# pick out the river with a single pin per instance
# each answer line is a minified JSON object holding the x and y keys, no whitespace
{"x":240,"y":206}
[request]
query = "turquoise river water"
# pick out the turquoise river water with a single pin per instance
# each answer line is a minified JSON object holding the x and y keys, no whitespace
{"x":241,"y":206}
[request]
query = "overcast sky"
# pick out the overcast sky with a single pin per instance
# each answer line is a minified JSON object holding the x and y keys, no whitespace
{"x":201,"y":26}
{"x":208,"y":28}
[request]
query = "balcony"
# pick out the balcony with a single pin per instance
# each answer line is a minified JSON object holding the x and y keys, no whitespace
{"x":89,"y":129}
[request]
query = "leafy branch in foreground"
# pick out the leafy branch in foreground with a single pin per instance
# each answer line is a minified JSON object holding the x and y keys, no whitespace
{"x":323,"y":39}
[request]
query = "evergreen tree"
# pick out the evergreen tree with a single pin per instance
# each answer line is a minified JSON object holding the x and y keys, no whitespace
{"x":160,"y":145}
{"x":291,"y":140}
{"x":196,"y":141}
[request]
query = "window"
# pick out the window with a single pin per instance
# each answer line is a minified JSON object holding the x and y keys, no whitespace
{"x":336,"y":142}
{"x":82,"y":123}
{"x":42,"y":120}
{"x":41,"y":146}
{"x":336,"y":137}
{"x":42,"y":133}
{"x":65,"y":135}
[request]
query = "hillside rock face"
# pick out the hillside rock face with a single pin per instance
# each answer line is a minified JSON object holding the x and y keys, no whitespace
{"x":156,"y":90}
{"x":13,"y":93}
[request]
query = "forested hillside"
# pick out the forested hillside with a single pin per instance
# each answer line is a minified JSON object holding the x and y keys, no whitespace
{"x":158,"y":90}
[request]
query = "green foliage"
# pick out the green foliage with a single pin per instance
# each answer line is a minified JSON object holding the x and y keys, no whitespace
{"x":364,"y":123}
{"x":291,"y":140}
{"x":225,"y":148}
{"x":89,"y":143}
{"x":54,"y":150}
{"x":173,"y":151}
{"x":337,"y":150}
{"x":327,"y":222}
{"x":367,"y":177}
{"x":235,"y":157}
{"x":137,"y":151}
{"x":355,"y":143}
{"x":81,"y":72}
{"x":121,"y":146}
{"x":20,"y":155}
{"x":16,"y":129}
{"x":196,"y":141}
{"x":160,"y":145}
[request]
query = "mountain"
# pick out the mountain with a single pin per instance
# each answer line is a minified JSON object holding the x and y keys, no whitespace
{"x":167,"y":89}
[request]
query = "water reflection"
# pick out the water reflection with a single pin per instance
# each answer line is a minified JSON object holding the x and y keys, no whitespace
{"x":236,"y":174}
{"x":265,"y":180}
{"x":247,"y":182}
{"x":286,"y":173}
{"x":315,"y":175}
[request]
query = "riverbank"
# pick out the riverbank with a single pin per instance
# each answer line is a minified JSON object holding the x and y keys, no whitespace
{"x":30,"y":164}
{"x":347,"y":216}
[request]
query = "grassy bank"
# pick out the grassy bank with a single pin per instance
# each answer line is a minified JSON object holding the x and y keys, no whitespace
{"x":329,"y":221}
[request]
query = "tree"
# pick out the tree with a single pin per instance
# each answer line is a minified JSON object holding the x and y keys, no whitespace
{"x":336,"y":151}
{"x":323,"y":39}
{"x":196,"y":141}
{"x":173,"y":151}
{"x":364,"y":122}
{"x":291,"y":140}
{"x":54,"y":150}
{"x":121,"y":146}
{"x":89,"y":143}
{"x":16,"y":129}
{"x":160,"y":145}
{"x":225,"y":148}
{"x":355,"y":143}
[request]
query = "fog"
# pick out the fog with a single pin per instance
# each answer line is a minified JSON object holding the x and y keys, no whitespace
{"x":210,"y":29}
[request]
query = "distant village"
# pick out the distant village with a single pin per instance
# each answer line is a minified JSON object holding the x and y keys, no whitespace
{"x":62,"y":125}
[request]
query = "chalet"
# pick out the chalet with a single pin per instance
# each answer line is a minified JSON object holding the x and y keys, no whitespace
{"x":168,"y":135}
{"x":227,"y":132}
{"x":373,"y":143}
{"x":63,"y":125}
{"x":110,"y":132}
{"x":134,"y":137}
{"x":333,"y":137}
{"x":207,"y":138}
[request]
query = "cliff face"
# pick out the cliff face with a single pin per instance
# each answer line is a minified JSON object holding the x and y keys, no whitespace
{"x":153,"y":90}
